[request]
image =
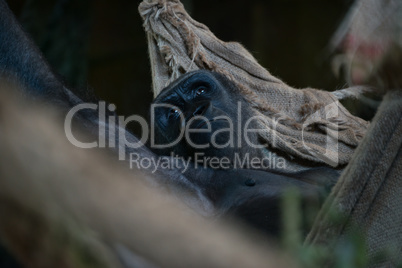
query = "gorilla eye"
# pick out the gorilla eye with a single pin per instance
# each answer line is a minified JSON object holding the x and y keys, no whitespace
{"x":173,"y":113}
{"x":200,"y":91}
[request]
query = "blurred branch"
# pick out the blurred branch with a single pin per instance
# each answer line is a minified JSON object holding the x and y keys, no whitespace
{"x":65,"y":207}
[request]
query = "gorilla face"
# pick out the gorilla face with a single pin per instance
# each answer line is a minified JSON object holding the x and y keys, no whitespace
{"x":201,"y":112}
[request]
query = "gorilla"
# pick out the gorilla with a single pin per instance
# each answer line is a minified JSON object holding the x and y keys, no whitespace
{"x":252,"y":195}
{"x":203,"y":113}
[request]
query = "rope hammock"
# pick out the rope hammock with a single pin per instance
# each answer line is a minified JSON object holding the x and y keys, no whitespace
{"x":368,"y":192}
{"x":179,"y":44}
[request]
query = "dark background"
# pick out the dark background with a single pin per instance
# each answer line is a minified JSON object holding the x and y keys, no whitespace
{"x":100,"y":44}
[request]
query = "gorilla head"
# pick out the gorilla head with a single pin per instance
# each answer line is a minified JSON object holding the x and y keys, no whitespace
{"x":202,"y":112}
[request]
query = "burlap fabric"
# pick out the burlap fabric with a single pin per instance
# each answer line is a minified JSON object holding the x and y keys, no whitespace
{"x":369,"y":192}
{"x":305,"y":124}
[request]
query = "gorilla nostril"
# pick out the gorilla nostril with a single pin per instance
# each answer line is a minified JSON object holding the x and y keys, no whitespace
{"x":250,"y":182}
{"x":201,"y":109}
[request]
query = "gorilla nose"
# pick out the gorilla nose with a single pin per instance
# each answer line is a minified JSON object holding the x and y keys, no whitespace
{"x":201,"y":108}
